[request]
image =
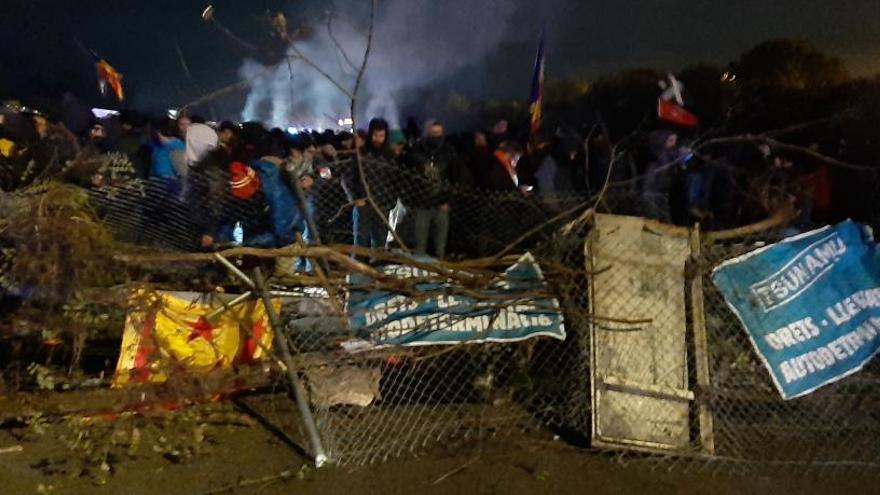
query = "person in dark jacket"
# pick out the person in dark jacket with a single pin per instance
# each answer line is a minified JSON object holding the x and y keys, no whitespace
{"x":503,"y":176}
{"x":481,"y":162}
{"x":436,"y":164}
{"x":378,"y":146}
{"x":368,"y":227}
{"x":661,"y":175}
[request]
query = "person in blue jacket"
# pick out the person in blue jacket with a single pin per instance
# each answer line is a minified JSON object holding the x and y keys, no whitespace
{"x":168,"y":152}
{"x":283,"y":210}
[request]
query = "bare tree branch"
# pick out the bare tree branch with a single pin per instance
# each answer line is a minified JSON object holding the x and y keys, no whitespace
{"x":330,"y":17}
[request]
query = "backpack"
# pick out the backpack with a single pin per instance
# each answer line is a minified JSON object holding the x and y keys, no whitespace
{"x":244,"y":181}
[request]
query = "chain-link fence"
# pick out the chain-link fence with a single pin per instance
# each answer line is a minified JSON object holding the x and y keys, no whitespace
{"x":652,"y":361}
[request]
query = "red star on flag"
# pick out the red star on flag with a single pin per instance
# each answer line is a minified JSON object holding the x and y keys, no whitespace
{"x":201,"y":328}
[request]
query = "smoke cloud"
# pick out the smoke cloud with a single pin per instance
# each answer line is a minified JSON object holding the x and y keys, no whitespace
{"x":416,"y":43}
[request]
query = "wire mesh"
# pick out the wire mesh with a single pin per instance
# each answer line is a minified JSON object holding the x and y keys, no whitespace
{"x":628,"y":311}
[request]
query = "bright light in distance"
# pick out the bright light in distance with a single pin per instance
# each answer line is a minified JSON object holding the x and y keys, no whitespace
{"x":293,"y":130}
{"x":172,"y":113}
{"x":102,"y":113}
{"x":346,"y":121}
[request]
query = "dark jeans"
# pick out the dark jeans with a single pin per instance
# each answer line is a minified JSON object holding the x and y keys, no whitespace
{"x":425,"y":219}
{"x":368,"y":228}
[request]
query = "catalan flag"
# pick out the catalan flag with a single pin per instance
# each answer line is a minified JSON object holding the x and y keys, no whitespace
{"x":108,"y":77}
{"x":536,"y":102}
{"x":169,"y":332}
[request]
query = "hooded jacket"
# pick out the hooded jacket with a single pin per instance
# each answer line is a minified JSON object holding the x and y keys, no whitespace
{"x":283,"y":211}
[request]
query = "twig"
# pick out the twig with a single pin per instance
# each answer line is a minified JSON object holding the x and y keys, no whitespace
{"x":12,"y":450}
{"x":353,"y":110}
{"x":233,"y":37}
{"x":456,"y":470}
{"x":283,"y":475}
{"x":510,"y":247}
{"x":330,"y":16}
{"x":240,"y":85}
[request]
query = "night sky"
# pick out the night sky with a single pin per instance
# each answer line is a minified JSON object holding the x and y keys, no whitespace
{"x":588,"y":38}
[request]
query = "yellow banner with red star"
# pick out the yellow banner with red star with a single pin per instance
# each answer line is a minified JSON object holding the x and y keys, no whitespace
{"x":176,"y":332}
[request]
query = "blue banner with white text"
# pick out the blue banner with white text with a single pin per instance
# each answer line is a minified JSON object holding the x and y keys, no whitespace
{"x":508,"y":310}
{"x":810,"y":305}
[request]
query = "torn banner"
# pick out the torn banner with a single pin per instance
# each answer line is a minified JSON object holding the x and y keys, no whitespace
{"x":506,"y":311}
{"x":810,"y":305}
{"x":166,"y":332}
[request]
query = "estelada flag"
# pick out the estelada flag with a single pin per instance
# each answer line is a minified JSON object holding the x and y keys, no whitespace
{"x":108,"y":76}
{"x":671,"y":112}
{"x":536,"y":100}
{"x":167,"y":333}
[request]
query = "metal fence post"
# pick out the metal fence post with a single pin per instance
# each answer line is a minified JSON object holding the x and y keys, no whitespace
{"x":701,"y":345}
{"x":298,"y":390}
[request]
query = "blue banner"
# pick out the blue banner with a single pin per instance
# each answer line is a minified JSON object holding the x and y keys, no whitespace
{"x":505,"y":311}
{"x":810,"y":305}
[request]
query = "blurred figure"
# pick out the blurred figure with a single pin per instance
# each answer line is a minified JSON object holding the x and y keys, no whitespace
{"x":183,"y":123}
{"x":397,"y":141}
{"x":481,"y":160}
{"x":553,"y":176}
{"x":368,"y":227}
{"x":134,"y":143}
{"x":284,"y":213}
{"x":169,"y":160}
{"x":377,"y":147}
{"x":200,"y":140}
{"x":503,"y":176}
{"x":227,"y":134}
{"x":662,"y":173}
{"x":435,"y":162}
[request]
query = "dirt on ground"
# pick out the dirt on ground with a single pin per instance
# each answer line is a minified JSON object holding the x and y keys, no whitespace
{"x":237,"y":456}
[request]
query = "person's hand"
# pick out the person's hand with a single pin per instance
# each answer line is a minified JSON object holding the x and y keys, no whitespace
{"x":98,"y":180}
{"x":526,"y":190}
{"x":444,"y":207}
{"x":307,"y":182}
{"x":207,"y":241}
{"x":360,"y":203}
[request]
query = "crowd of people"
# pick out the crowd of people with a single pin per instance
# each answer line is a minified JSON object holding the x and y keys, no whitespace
{"x":248,"y":185}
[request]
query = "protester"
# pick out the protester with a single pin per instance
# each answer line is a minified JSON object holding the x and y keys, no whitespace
{"x":227,"y":134}
{"x":661,"y":173}
{"x":135,"y":143}
{"x":435,"y":163}
{"x":378,"y":147}
{"x":503,"y":175}
{"x":169,"y":159}
{"x":553,"y":177}
{"x":397,"y":142}
{"x":183,"y":123}
{"x":200,"y":140}
{"x":285,"y":216}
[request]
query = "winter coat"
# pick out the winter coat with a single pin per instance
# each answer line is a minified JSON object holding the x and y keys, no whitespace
{"x":283,"y":211}
{"x":165,"y":157}
{"x":436,"y":168}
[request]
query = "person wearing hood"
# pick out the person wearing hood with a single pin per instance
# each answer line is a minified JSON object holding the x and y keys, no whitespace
{"x":435,"y":164}
{"x":378,"y":146}
{"x":286,"y":218}
{"x":368,"y":227}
